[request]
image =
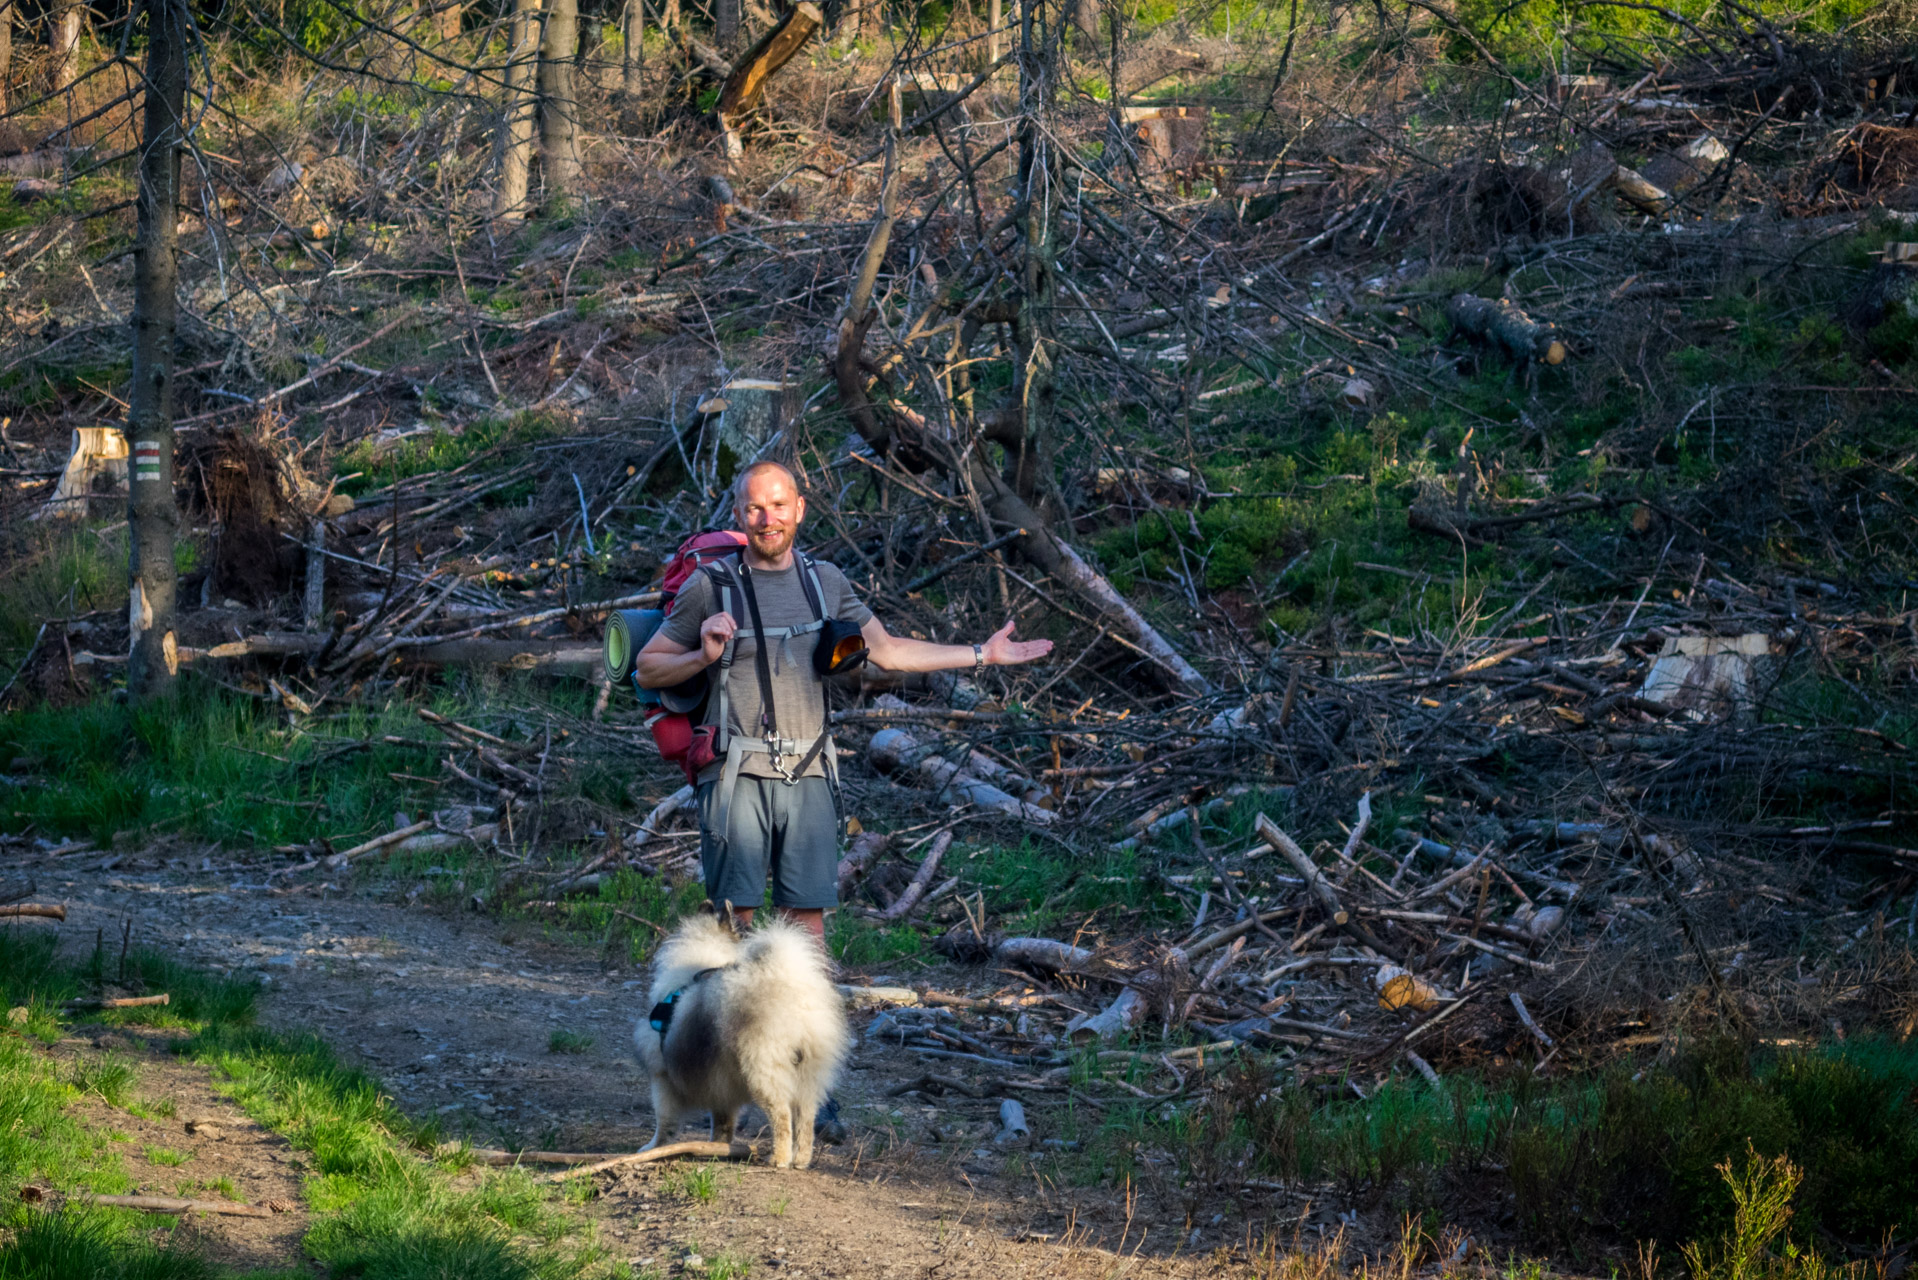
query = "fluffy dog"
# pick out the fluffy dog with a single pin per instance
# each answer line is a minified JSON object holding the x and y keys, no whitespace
{"x":751,"y":1018}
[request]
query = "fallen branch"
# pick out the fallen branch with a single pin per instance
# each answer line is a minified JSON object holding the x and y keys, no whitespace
{"x":917,"y":889}
{"x":122,"y":1002}
{"x":374,"y":845}
{"x":54,"y":912}
{"x":167,"y":1204}
{"x":707,"y":1150}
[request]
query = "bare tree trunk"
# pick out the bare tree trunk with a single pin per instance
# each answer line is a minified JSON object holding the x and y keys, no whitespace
{"x":726,"y":26}
{"x":559,"y":102}
{"x":152,"y":515}
{"x":64,"y":37}
{"x":516,"y":120}
{"x":6,"y":49}
{"x":632,"y":53}
{"x":995,"y":15}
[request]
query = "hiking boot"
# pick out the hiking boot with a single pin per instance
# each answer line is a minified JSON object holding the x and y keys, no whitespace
{"x":827,"y":1127}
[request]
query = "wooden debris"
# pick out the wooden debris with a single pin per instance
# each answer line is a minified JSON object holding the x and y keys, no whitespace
{"x":669,"y":1151}
{"x":1499,"y":323}
{"x":45,"y":911}
{"x":120,"y":1002}
{"x":921,"y":879}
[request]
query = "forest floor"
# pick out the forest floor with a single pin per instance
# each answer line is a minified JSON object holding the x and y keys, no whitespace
{"x":457,"y":1015}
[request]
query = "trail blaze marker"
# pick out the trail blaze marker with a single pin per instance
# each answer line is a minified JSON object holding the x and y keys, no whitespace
{"x":146,"y":460}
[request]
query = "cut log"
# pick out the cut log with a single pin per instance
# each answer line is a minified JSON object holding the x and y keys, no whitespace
{"x":97,"y":451}
{"x":1641,"y":194}
{"x":1012,"y":1122}
{"x":1115,"y":1019}
{"x":45,"y":912}
{"x":896,"y":751}
{"x":665,"y":809}
{"x":1270,"y":832}
{"x":1043,"y":955}
{"x":747,"y":80}
{"x":1499,"y":323}
{"x":920,"y":880}
{"x":863,"y":852}
{"x":978,"y":764}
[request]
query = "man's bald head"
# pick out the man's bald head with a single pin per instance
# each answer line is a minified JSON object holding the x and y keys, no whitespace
{"x":746,"y":477}
{"x":768,"y":509}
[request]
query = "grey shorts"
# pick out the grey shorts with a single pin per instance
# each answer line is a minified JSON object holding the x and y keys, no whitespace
{"x":791,"y":829}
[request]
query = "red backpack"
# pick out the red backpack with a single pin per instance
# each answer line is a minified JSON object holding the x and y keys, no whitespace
{"x":670,"y":712}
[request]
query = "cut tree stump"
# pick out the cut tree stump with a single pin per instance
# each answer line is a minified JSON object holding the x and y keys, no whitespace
{"x":97,"y":451}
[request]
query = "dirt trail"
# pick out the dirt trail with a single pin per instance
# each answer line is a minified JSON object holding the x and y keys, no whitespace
{"x":455,"y":1014}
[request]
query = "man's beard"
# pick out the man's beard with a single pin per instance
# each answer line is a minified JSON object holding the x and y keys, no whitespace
{"x":769,"y":544}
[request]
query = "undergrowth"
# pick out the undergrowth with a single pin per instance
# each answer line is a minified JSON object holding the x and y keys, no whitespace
{"x":387,"y":1199}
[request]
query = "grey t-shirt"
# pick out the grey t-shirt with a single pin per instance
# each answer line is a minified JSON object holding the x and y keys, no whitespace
{"x":796,"y":697}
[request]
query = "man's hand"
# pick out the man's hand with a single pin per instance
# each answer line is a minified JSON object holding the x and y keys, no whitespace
{"x":1003,"y":651}
{"x":718,"y":629}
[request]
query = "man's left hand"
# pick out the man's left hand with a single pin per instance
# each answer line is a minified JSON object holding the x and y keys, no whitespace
{"x":1003,"y":651}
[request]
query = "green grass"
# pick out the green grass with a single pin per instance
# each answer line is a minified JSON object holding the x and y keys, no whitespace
{"x":215,"y":765}
{"x":382,"y":1204}
{"x":696,"y":1182}
{"x":1617,"y":1157}
{"x":564,"y":1041}
{"x":166,"y":1156}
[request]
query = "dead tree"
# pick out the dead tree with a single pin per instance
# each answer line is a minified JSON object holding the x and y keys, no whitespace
{"x":632,"y":47}
{"x":559,"y":102}
{"x":64,"y":36}
{"x":6,"y":48}
{"x":518,"y":113}
{"x":152,"y":514}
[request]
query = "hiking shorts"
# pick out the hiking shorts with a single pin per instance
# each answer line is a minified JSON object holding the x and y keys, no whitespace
{"x":788,"y":829}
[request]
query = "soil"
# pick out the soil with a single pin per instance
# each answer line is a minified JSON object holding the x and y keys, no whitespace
{"x":455,"y":1014}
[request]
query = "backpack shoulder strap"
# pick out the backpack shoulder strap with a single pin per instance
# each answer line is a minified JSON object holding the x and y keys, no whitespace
{"x":809,"y":583}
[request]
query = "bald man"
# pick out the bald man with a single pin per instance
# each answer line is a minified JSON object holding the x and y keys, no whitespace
{"x":781,"y":819}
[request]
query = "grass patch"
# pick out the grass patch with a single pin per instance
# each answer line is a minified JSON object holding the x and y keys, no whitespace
{"x":1618,"y":1157}
{"x":166,"y":1156}
{"x":213,"y":765}
{"x":696,"y":1182}
{"x":563,"y":1041}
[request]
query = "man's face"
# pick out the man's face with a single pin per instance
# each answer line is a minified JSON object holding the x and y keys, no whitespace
{"x":769,"y":513}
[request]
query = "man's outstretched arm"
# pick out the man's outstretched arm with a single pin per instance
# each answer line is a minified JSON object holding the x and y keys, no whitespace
{"x":898,"y":653}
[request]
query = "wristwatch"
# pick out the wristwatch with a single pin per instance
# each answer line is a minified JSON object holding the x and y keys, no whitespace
{"x":978,"y":658}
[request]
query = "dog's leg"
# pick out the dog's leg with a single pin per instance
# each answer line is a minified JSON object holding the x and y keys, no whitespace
{"x":724,"y":1122}
{"x":666,"y":1113}
{"x":781,"y":1116}
{"x":802,"y":1135}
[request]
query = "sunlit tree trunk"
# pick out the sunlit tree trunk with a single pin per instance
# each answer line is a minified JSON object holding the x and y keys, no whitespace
{"x":153,"y":517}
{"x":6,"y":49}
{"x":64,"y":37}
{"x":520,"y":106}
{"x":559,"y":102}
{"x":632,"y":54}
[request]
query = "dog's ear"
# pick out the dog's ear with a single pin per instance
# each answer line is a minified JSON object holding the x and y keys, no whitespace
{"x":709,"y":908}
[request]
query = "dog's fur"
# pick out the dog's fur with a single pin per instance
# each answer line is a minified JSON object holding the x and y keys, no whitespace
{"x":758,"y":1020}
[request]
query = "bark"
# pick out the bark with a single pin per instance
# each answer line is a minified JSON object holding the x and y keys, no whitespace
{"x":1044,"y":955}
{"x":6,"y":49}
{"x":1504,"y":326}
{"x":516,"y":120}
{"x":897,"y":750}
{"x":865,"y":849}
{"x":768,"y":54}
{"x":1033,"y":332}
{"x":559,"y":102}
{"x":64,"y":37}
{"x":995,"y":18}
{"x":632,"y":47}
{"x":726,"y":25}
{"x":153,"y":516}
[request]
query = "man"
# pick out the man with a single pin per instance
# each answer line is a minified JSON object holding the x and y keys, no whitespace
{"x":781,"y":817}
